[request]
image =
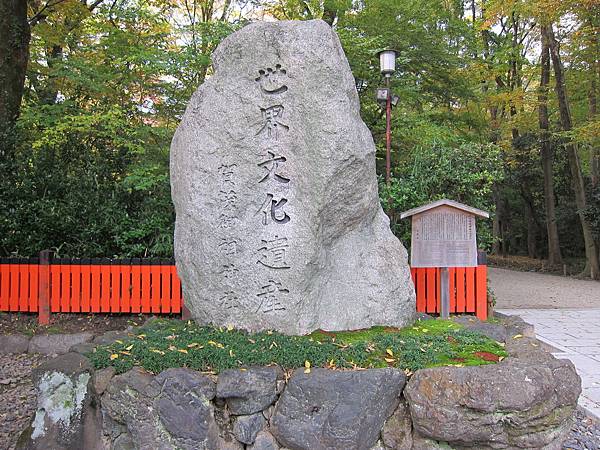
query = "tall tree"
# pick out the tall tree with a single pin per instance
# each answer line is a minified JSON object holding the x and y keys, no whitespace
{"x":14,"y":55}
{"x":592,"y":266}
{"x":546,"y":152}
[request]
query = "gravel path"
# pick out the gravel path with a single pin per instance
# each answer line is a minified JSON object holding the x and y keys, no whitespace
{"x":19,"y":398}
{"x":585,"y":433}
{"x":514,"y":289}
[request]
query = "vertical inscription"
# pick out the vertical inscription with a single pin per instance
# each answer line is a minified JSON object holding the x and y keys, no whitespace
{"x":228,"y":245}
{"x":272,"y":252}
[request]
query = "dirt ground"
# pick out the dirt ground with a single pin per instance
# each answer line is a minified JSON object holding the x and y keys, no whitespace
{"x":514,"y":289}
{"x":68,"y":323}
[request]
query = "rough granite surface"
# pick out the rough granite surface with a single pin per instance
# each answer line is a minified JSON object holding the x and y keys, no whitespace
{"x":279,"y":224}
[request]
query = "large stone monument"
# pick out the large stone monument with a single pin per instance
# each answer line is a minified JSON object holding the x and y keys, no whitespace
{"x":279,"y":224}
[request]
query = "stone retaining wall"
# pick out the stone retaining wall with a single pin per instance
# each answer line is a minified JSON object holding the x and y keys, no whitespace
{"x":524,"y":402}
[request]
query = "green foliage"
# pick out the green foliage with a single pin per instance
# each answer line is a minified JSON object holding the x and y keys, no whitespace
{"x":169,"y":343}
{"x":465,"y":173}
{"x":86,"y":170}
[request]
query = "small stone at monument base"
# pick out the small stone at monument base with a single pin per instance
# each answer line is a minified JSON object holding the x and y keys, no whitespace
{"x":246,"y":428}
{"x":264,"y":441}
{"x":123,"y":442}
{"x":495,"y":331}
{"x":378,"y":446}
{"x":421,"y":443}
{"x":14,"y":343}
{"x":279,"y":224}
{"x":101,"y":379}
{"x":397,"y":431}
{"x":249,"y":391}
{"x":49,"y":344}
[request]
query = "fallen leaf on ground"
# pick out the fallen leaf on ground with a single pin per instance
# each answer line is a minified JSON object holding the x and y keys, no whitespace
{"x":487,"y":356}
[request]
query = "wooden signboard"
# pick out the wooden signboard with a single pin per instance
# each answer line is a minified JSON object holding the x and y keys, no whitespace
{"x":444,"y":235}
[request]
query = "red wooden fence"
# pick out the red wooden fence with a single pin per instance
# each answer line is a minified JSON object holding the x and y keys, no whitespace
{"x":468,"y":290}
{"x":90,"y":286}
{"x":47,"y":286}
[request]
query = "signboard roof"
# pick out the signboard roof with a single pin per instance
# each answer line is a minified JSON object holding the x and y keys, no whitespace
{"x":445,"y":202}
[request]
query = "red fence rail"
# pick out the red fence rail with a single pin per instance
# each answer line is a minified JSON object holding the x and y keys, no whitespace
{"x":45,"y":286}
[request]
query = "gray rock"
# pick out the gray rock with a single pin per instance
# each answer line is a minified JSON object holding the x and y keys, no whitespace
{"x":519,"y":403}
{"x":14,"y":343}
{"x":278,"y":219}
{"x":123,"y":442}
{"x":336,"y":409}
{"x":248,"y":391}
{"x":516,"y":325}
{"x":494,"y":331}
{"x":110,"y":336}
{"x":66,"y":416}
{"x":264,"y":441}
{"x":528,"y":349}
{"x":49,"y":344}
{"x":246,"y":428}
{"x":267,"y":413}
{"x":424,"y":316}
{"x":397,"y":431}
{"x":421,"y":443}
{"x":230,"y":445}
{"x":83,"y":348}
{"x":169,"y":411}
{"x":101,"y":378}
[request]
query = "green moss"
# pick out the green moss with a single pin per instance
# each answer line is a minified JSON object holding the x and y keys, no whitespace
{"x":171,"y":343}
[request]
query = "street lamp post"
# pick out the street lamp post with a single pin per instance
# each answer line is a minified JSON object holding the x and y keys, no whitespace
{"x":387,"y":63}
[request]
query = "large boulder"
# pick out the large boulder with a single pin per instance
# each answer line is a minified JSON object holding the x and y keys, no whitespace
{"x":66,"y":417}
{"x":519,"y":403}
{"x":274,"y":186}
{"x":327,"y":409}
{"x":169,"y":411}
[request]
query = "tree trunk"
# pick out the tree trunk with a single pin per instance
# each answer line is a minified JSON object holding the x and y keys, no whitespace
{"x":592,"y":266}
{"x":547,"y":156}
{"x":496,"y":224}
{"x":532,"y":226}
{"x":14,"y":55}
{"x":595,"y":152}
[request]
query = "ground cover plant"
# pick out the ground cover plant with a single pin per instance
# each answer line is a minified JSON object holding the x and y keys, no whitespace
{"x":164,"y":344}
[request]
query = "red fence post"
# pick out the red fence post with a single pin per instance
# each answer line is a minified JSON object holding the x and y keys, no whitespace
{"x":44,"y":288}
{"x":481,"y":286}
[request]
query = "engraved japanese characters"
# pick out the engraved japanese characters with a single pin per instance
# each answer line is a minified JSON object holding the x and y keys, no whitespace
{"x":278,"y":223}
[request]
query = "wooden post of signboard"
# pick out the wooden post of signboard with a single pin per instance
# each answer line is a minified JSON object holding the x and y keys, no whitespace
{"x":445,"y":294}
{"x":443,"y":236}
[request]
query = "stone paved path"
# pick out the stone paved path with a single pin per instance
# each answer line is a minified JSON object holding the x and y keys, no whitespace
{"x":535,"y":290}
{"x":575,"y":335}
{"x":566,"y":316}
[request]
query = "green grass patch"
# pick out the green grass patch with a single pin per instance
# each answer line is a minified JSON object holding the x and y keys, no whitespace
{"x":163,"y":344}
